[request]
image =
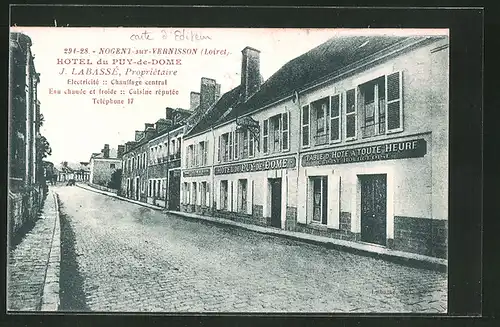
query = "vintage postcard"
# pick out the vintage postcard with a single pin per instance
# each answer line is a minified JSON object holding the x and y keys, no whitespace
{"x":228,"y":170}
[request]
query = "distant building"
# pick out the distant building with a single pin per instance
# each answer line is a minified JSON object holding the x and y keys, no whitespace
{"x":103,"y":165}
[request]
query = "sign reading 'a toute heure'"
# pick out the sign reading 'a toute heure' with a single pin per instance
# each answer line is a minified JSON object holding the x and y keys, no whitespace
{"x":387,"y":151}
{"x":246,"y":167}
{"x":196,"y":172}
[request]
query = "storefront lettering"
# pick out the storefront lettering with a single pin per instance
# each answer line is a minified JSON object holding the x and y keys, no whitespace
{"x":272,"y":164}
{"x":396,"y":150}
{"x":196,"y":172}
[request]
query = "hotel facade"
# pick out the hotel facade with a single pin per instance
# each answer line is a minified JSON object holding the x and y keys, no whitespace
{"x":349,"y":141}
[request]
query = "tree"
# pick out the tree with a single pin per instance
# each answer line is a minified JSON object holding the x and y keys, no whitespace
{"x":116,"y":180}
{"x":43,"y":147}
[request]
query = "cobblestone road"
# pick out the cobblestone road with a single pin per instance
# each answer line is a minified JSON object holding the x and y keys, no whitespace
{"x":136,"y":259}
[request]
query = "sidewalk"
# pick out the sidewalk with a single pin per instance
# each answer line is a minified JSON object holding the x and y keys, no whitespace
{"x":411,"y":259}
{"x":33,"y":268}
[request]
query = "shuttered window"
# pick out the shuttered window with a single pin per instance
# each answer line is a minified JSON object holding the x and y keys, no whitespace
{"x":350,"y":115}
{"x":305,"y":126}
{"x":285,"y":123}
{"x":394,"y":121}
{"x":265,"y":136}
{"x":335,"y":112}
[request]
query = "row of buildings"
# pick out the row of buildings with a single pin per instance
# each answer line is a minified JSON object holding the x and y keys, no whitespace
{"x":349,"y":140}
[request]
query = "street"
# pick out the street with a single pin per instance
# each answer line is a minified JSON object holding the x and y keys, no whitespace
{"x":131,"y":258}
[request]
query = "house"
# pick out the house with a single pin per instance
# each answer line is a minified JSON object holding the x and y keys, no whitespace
{"x":102,"y":165}
{"x":349,"y":141}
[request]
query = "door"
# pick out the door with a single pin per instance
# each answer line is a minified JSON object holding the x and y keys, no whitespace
{"x":174,"y":191}
{"x":320,"y":199}
{"x":374,"y":208}
{"x":137,"y":188}
{"x":275,"y":202}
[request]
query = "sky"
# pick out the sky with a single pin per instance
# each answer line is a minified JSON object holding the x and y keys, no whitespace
{"x":76,"y":127}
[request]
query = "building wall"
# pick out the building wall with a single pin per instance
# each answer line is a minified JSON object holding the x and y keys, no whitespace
{"x":101,"y":170}
{"x":417,"y":182}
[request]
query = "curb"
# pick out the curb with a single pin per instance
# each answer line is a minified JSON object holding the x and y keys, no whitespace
{"x":412,"y":260}
{"x":147,"y":205}
{"x":50,"y":297}
{"x":408,"y":259}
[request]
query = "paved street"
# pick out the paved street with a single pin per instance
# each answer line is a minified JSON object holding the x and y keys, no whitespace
{"x":130,"y":258}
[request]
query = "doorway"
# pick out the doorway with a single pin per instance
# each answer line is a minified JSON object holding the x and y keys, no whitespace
{"x":174,"y":190}
{"x":275,"y":202}
{"x":374,"y":208}
{"x":137,"y":188}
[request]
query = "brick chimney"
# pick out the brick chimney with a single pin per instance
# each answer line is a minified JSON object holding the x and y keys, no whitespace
{"x":161,"y":125}
{"x":119,"y":151}
{"x":250,"y":73}
{"x":138,"y":135}
{"x":150,"y":131}
{"x":130,"y":145}
{"x":148,"y":125}
{"x":105,"y":151}
{"x":208,"y":91}
{"x":194,"y":100}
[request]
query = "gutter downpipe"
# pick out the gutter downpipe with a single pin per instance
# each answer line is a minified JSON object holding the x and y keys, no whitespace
{"x":212,"y":208}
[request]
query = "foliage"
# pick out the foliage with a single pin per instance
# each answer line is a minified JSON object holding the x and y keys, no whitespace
{"x":43,"y":147}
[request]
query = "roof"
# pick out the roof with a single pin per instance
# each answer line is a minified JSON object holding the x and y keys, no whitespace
{"x":323,"y":61}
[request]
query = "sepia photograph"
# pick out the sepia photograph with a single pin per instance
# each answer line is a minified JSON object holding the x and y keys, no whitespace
{"x":216,"y":170}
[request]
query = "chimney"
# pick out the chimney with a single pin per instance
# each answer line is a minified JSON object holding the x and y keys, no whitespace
{"x":119,"y":151}
{"x":208,"y":90}
{"x":138,"y":135}
{"x":161,"y":125}
{"x":130,"y":145}
{"x":148,"y":125}
{"x":194,"y":100}
{"x":105,"y":151}
{"x":250,"y":72}
{"x":150,"y":131}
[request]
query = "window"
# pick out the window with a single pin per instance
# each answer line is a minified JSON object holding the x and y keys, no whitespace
{"x":190,"y":156}
{"x":265,"y":136}
{"x":224,"y":147}
{"x":285,"y":123}
{"x":335,"y":109}
{"x":150,"y":189}
{"x":251,"y":146}
{"x":319,"y":198}
{"x":394,"y":102}
{"x":194,"y":193}
{"x":350,"y":114}
{"x":242,"y":195}
{"x":144,"y":158}
{"x":320,"y":110}
{"x":203,"y":153}
{"x":158,"y":188}
{"x":223,"y":195}
{"x":305,"y":126}
{"x":372,"y":107}
{"x":203,"y":193}
{"x":112,"y":166}
{"x":276,"y":132}
{"x":186,"y":193}
{"x":244,"y":144}
{"x":154,"y":187}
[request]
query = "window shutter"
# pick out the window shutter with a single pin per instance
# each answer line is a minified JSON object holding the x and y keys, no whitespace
{"x":351,"y":114}
{"x":236,"y":141}
{"x":334,"y":201}
{"x":285,"y":123}
{"x":207,"y":195}
{"x":220,"y":150}
{"x":265,"y":136}
{"x":335,"y":114}
{"x":394,"y":103}
{"x":249,"y":196}
{"x":305,"y":126}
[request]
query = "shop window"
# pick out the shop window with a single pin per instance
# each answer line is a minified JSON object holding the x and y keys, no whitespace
{"x":154,"y":187}
{"x":305,"y":126}
{"x":186,"y":193}
{"x":242,"y":195}
{"x":223,"y":195}
{"x":203,"y":193}
{"x":158,"y":188}
{"x":319,"y":199}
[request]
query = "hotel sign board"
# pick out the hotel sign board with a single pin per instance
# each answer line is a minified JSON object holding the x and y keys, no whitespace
{"x":196,"y":172}
{"x":387,"y":151}
{"x":248,"y":167}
